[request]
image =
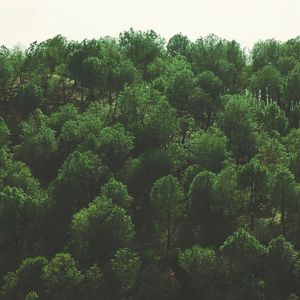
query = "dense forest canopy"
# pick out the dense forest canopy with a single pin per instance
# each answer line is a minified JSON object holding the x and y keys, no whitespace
{"x":135,"y":168}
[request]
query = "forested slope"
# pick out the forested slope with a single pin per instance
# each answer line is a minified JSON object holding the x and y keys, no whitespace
{"x":139,"y":168}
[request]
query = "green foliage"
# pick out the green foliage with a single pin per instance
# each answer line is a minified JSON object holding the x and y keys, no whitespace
{"x":281,"y":265}
{"x":61,"y":278}
{"x":253,"y":178}
{"x":78,"y":181}
{"x":117,"y":192}
{"x":226,"y":198}
{"x":209,"y":149}
{"x":140,"y":173}
{"x":38,"y":147}
{"x":94,"y":283}
{"x":274,"y":118}
{"x":167,"y":200}
{"x":57,"y":120}
{"x":178,"y":45}
{"x":200,"y":193}
{"x":28,"y":98}
{"x":238,"y":123}
{"x":199,"y":263}
{"x":4,"y":134}
{"x":113,"y":144}
{"x":123,"y":269}
{"x":283,"y":192}
{"x":17,"y":174}
{"x":180,"y":88}
{"x":266,"y":83}
{"x":141,"y":157}
{"x":32,"y":296}
{"x":141,"y":47}
{"x":101,"y":221}
{"x":16,"y":210}
{"x":147,"y":115}
{"x":25,"y":279}
{"x":265,"y":53}
{"x":243,"y":251}
{"x":293,"y":84}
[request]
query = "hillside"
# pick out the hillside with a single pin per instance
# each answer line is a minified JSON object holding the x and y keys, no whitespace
{"x":139,"y":168}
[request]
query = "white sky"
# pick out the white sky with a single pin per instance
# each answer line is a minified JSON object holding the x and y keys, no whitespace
{"x":247,"y":21}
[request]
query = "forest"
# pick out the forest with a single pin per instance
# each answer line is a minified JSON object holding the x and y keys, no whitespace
{"x":140,"y":168}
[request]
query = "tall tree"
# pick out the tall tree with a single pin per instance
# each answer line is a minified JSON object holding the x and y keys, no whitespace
{"x":169,"y":205}
{"x":283,"y":193}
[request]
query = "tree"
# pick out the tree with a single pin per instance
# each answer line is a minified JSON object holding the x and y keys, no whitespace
{"x":224,"y":58}
{"x":178,"y":45}
{"x":4,"y":134}
{"x":160,"y":125}
{"x":113,"y":144}
{"x":28,"y":98}
{"x":18,"y":174}
{"x":201,"y":106}
{"x":292,"y":140}
{"x":38,"y":147}
{"x":117,"y":192}
{"x":76,"y":57}
{"x":180,"y":88}
{"x":286,"y":64}
{"x":123,"y":271}
{"x":61,"y":278}
{"x":213,"y":86}
{"x":141,"y":47}
{"x":169,"y":205}
{"x":283,"y":193}
{"x":200,"y":265}
{"x":272,"y":153}
{"x":266,"y":84}
{"x":200,"y":211}
{"x":244,"y":250}
{"x":144,"y":112}
{"x":253,"y":179}
{"x":94,"y":283}
{"x":140,"y":173}
{"x":79,"y":129}
{"x":206,"y":53}
{"x":292,"y":95}
{"x":242,"y":256}
{"x":78,"y":181}
{"x":281,"y":266}
{"x":226,"y":199}
{"x":274,"y":118}
{"x":93,"y":76}
{"x":99,"y":230}
{"x":208,"y":149}
{"x":17,"y":210}
{"x":243,"y":265}
{"x":57,"y":120}
{"x":238,"y":123}
{"x":8,"y":71}
{"x":25,"y":279}
{"x":265,"y":53}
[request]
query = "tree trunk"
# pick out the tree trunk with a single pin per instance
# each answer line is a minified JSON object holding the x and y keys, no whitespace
{"x":283,"y":222}
{"x":252,"y":221}
{"x":252,"y":209}
{"x":169,"y":225}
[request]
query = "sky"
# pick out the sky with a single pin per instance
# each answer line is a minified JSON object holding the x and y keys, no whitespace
{"x":246,"y":21}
